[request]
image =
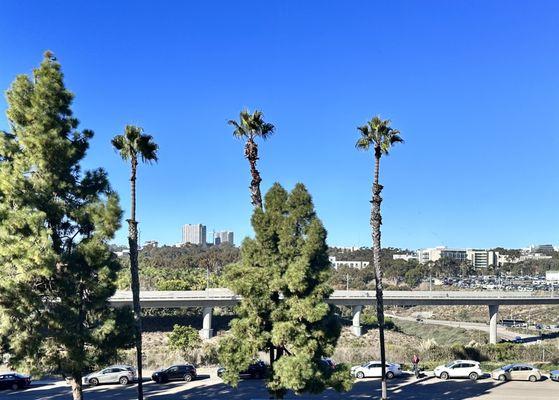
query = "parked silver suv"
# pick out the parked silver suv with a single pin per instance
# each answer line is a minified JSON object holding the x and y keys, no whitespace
{"x":122,"y":374}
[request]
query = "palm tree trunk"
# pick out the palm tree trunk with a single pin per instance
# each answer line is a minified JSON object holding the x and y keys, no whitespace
{"x":134,"y":271}
{"x":376,"y":221}
{"x":251,"y":153}
{"x":76,"y":384}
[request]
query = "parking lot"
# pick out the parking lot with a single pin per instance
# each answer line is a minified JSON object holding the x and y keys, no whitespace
{"x":209,"y":387}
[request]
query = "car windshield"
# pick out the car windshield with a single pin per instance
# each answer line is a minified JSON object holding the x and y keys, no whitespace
{"x":450,"y":364}
{"x":506,"y":367}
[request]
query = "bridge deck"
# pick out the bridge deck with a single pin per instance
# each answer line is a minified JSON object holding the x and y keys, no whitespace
{"x":225,"y":297}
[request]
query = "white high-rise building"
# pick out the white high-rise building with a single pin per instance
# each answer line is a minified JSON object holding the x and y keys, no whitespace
{"x":194,"y":233}
{"x":224,"y":237}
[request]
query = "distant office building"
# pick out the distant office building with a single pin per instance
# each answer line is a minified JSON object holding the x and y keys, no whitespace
{"x":151,"y":243}
{"x":342,"y":249}
{"x":123,"y":253}
{"x":531,"y":253}
{"x":478,"y":258}
{"x":194,"y":234}
{"x":436,"y":253}
{"x":353,"y":264}
{"x":542,"y":248}
{"x":405,"y":257}
{"x":223,"y":237}
{"x":482,"y":258}
{"x":532,"y":256}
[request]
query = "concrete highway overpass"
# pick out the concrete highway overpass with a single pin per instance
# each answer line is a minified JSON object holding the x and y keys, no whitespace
{"x":222,"y":297}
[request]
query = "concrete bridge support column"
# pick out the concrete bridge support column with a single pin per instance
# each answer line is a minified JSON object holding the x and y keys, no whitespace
{"x":356,"y":326}
{"x":493,"y":313}
{"x":207,"y":331}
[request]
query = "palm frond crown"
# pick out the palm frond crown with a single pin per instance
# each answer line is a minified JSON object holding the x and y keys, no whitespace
{"x":377,"y":133}
{"x":134,"y":143}
{"x":251,"y":125}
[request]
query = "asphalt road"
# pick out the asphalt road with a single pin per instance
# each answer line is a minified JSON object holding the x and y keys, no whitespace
{"x":207,"y":388}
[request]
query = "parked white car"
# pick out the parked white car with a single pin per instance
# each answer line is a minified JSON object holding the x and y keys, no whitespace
{"x":372,"y":369}
{"x":122,"y":374}
{"x":459,"y":369}
{"x":517,"y":372}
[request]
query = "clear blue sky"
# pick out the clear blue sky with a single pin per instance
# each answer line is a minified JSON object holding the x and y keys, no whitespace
{"x":472,"y":85}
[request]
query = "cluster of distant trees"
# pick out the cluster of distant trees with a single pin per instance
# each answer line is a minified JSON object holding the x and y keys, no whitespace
{"x":189,"y":267}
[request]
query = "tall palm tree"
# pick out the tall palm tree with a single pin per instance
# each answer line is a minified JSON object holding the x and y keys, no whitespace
{"x":378,"y":134}
{"x":249,"y":127}
{"x":134,"y":145}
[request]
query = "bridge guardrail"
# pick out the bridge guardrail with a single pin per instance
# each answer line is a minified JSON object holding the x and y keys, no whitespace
{"x":226,"y":294}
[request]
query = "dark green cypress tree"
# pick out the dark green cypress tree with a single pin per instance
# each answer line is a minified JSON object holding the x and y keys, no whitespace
{"x":282,"y":277}
{"x":56,"y":270}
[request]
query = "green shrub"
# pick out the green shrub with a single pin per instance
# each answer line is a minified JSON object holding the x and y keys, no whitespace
{"x":173,"y":284}
{"x":371,"y":321}
{"x":186,"y":340}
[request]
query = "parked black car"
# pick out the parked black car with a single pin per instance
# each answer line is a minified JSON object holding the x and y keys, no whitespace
{"x":255,"y":370}
{"x":14,"y":381}
{"x":185,"y":372}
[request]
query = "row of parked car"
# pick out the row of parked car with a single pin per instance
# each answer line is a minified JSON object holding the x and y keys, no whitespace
{"x":472,"y":369}
{"x":459,"y":369}
{"x":125,"y":374}
{"x":454,"y":369}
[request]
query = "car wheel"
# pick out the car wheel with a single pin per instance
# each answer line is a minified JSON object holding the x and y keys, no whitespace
{"x":360,"y":375}
{"x":93,"y":382}
{"x":532,"y":378}
{"x":123,"y":380}
{"x":473,"y":376}
{"x":389,"y":375}
{"x":502,"y":378}
{"x":156,"y":379}
{"x":187,"y":377}
{"x":15,"y":386}
{"x":444,"y":376}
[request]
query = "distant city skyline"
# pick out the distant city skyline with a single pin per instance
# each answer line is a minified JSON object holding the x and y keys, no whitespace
{"x":194,"y":234}
{"x":198,"y":234}
{"x":222,"y":237}
{"x":460,"y":80}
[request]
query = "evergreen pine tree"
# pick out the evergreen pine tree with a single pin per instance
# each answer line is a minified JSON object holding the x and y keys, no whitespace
{"x":57,"y":272}
{"x":282,"y":277}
